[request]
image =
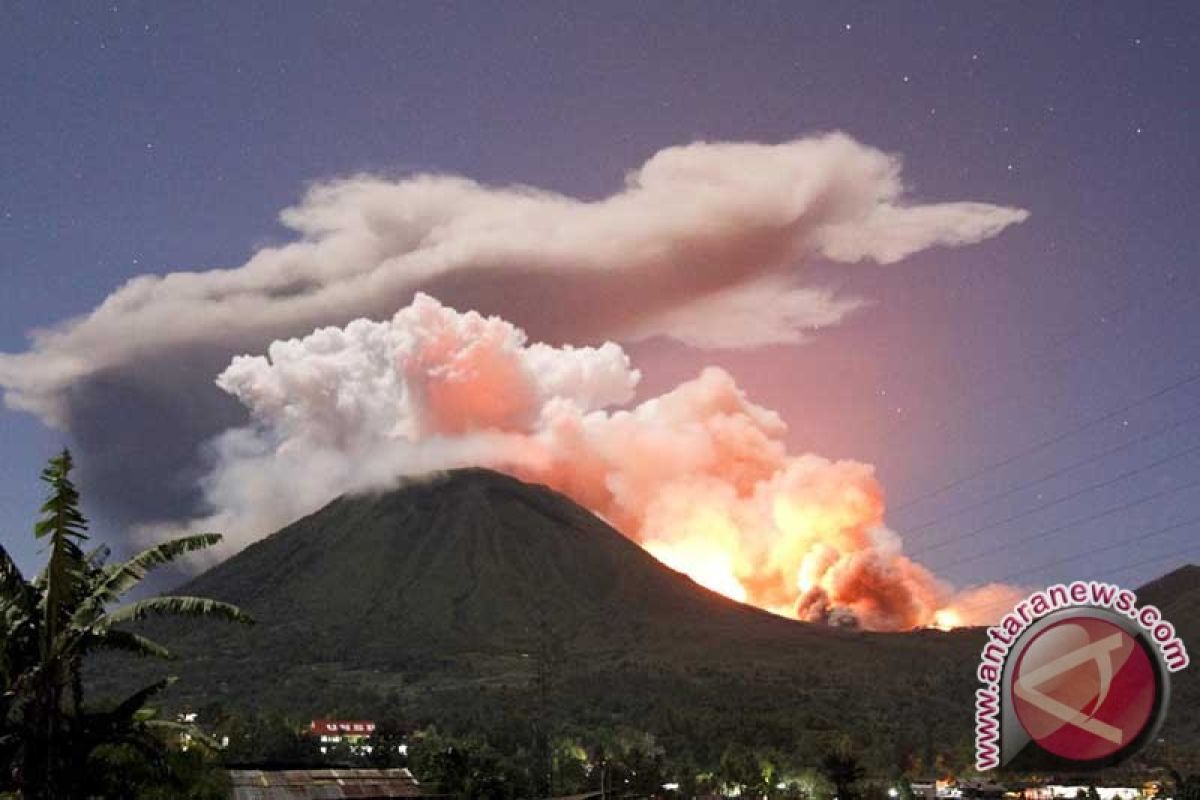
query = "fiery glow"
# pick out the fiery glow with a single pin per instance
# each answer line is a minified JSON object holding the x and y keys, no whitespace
{"x":700,"y":476}
{"x":800,"y":536}
{"x":947,"y":619}
{"x":707,"y":563}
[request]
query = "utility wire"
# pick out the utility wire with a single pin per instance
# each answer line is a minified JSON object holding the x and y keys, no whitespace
{"x":1165,"y":556}
{"x":1091,"y":552}
{"x":1190,"y":548}
{"x":1074,"y":523}
{"x":1053,"y":474}
{"x":940,"y":543}
{"x":1067,"y":335}
{"x":1046,"y":443}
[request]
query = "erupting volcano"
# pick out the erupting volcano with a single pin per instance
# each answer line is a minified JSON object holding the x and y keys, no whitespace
{"x":700,"y":476}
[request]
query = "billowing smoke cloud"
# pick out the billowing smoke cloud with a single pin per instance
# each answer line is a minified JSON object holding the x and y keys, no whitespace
{"x":705,"y":243}
{"x":699,"y":476}
{"x":700,"y":234}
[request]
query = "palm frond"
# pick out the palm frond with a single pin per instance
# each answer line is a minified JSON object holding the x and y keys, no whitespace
{"x":130,"y":642}
{"x":60,"y":512}
{"x":128,"y":708}
{"x":184,"y":729}
{"x":124,"y":723}
{"x":98,"y":555}
{"x":14,"y":589}
{"x":179,"y":606}
{"x":50,"y":623}
{"x":65,"y":574}
{"x":120,"y":579}
{"x":68,"y":572}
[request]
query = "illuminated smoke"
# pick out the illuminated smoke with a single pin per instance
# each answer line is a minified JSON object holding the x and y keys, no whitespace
{"x":699,"y":476}
{"x":709,"y":244}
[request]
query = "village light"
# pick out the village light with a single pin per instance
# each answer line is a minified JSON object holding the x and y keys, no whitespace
{"x":893,"y":792}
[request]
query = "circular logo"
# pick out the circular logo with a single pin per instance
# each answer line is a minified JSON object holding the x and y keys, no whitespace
{"x":1085,"y":688}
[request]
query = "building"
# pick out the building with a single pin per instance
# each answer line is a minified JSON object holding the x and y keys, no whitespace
{"x":354,"y":733}
{"x":325,"y":784}
{"x":1061,"y":792}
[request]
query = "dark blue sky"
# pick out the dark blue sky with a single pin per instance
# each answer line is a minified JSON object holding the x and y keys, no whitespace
{"x":143,"y":138}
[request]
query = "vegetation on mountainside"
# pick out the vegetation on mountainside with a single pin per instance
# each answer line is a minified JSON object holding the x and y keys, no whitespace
{"x":502,"y":613}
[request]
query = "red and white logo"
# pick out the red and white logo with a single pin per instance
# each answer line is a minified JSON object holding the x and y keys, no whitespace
{"x":1075,"y":676}
{"x":1084,"y":688}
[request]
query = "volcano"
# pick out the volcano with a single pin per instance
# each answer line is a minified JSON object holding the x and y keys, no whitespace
{"x":469,"y":558}
{"x":459,"y":597}
{"x":467,"y":566}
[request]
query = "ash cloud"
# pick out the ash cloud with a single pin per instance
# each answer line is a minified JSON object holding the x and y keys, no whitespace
{"x":705,"y":243}
{"x":699,"y":476}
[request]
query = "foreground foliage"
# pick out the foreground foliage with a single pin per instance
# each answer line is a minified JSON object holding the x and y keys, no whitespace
{"x":52,"y":745}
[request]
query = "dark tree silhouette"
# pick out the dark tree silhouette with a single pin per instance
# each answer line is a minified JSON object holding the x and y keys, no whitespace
{"x":50,"y":624}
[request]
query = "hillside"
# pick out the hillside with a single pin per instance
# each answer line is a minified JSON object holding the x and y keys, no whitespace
{"x":470,"y":559}
{"x":448,"y":599}
{"x":1177,"y":595}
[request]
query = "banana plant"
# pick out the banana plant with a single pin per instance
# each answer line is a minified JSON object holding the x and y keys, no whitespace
{"x":50,"y":624}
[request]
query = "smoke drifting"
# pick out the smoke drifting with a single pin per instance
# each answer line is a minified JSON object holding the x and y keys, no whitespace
{"x":704,"y":244}
{"x":699,"y":476}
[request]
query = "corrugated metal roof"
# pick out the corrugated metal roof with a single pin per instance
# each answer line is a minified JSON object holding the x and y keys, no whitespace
{"x":323,"y":784}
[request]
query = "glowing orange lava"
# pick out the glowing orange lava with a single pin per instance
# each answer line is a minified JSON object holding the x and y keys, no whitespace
{"x":947,"y":619}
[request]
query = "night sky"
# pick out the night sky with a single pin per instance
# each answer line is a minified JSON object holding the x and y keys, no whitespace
{"x":1052,"y":371}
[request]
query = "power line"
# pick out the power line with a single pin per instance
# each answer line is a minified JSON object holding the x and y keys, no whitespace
{"x":1092,"y":552}
{"x":1046,"y":443}
{"x":1163,"y":557}
{"x":1175,"y":554}
{"x":1053,"y":474}
{"x":1114,"y":546}
{"x":1068,"y":525}
{"x":1069,"y":334}
{"x":939,"y":544}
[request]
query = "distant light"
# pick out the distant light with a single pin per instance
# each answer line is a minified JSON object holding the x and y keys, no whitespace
{"x":670,"y":787}
{"x":893,"y":792}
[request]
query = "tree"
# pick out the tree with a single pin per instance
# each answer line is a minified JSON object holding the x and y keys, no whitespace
{"x":1185,"y":788}
{"x":739,"y":769}
{"x":266,"y":737}
{"x":53,"y":622}
{"x":841,"y":767}
{"x":121,"y":772}
{"x":389,"y":736}
{"x":470,"y":768}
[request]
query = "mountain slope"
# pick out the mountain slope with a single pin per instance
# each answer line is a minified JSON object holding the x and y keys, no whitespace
{"x":449,"y":599}
{"x":1177,"y":595}
{"x":472,"y":559}
{"x":457,"y":581}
